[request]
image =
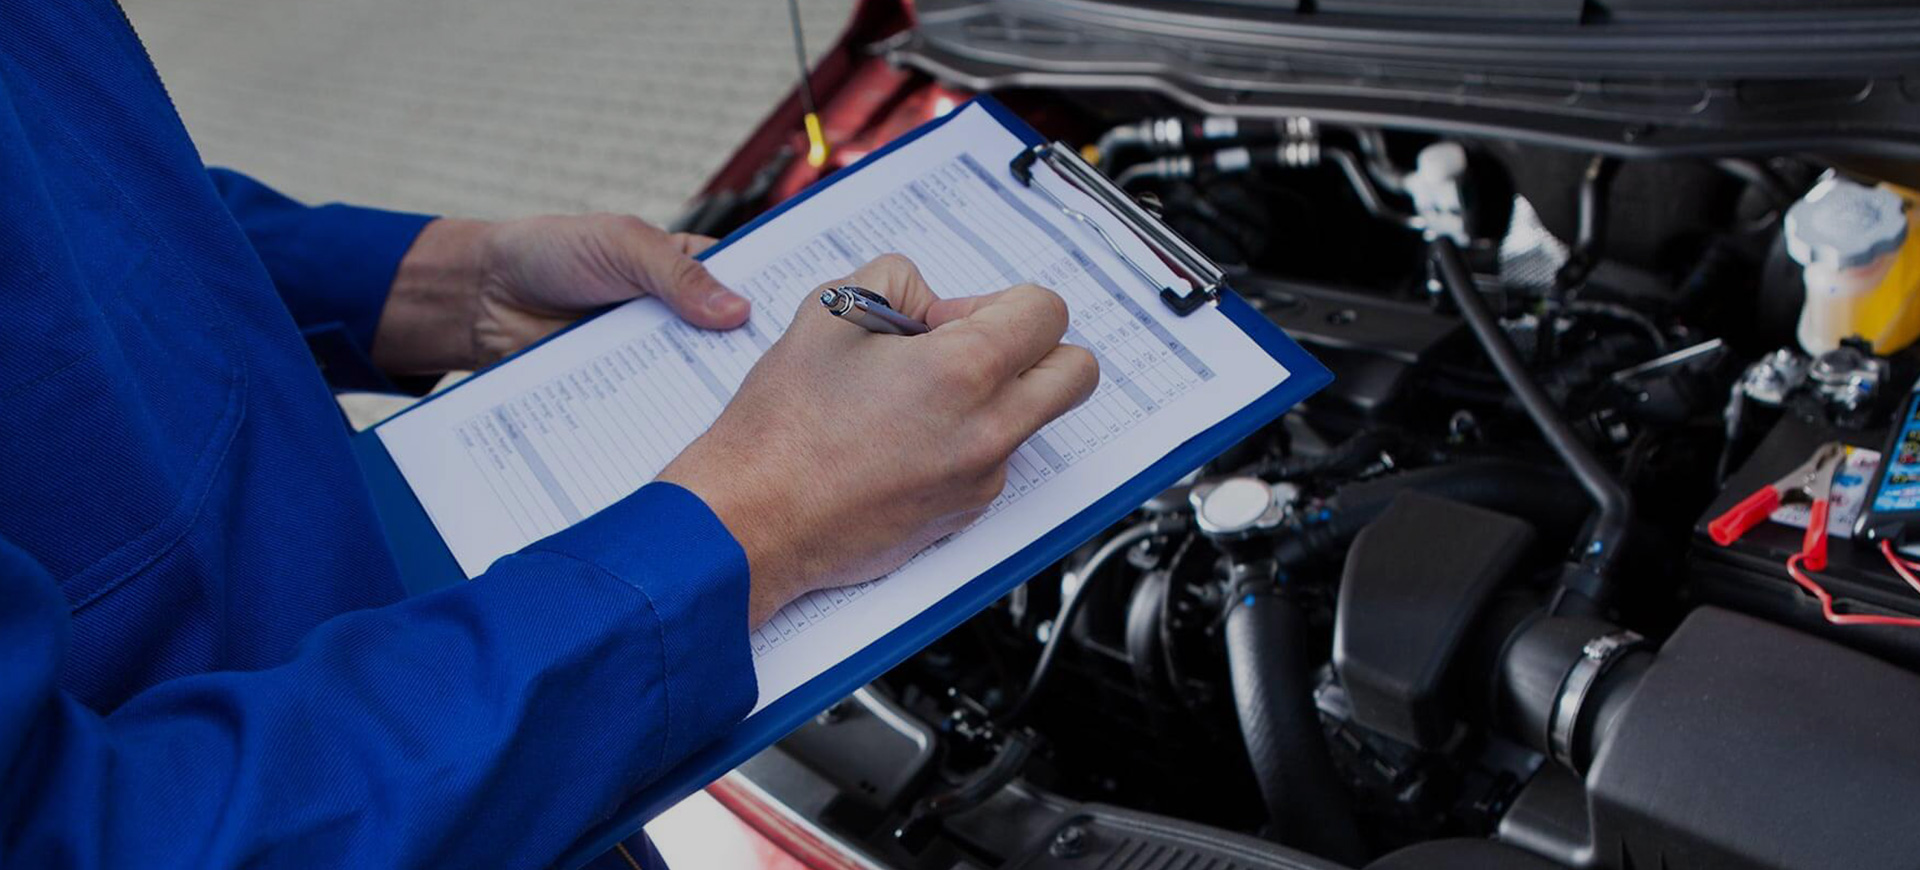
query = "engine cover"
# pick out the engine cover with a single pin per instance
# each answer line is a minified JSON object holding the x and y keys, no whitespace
{"x":1751,"y":745}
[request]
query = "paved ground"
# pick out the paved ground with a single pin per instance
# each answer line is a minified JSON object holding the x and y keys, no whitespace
{"x":487,"y":108}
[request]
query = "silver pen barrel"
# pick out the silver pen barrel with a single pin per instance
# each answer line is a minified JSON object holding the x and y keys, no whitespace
{"x":869,"y":311}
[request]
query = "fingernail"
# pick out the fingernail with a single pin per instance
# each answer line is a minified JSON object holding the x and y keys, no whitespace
{"x":725,"y":305}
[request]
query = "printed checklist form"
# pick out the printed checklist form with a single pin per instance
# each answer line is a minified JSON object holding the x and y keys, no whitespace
{"x":553,"y":435}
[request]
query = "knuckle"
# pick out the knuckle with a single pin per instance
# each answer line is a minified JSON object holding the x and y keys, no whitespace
{"x":686,"y":271}
{"x":990,"y":485}
{"x":981,"y":455}
{"x":627,"y":223}
{"x":892,"y":267}
{"x":891,"y":275}
{"x":1013,"y":435}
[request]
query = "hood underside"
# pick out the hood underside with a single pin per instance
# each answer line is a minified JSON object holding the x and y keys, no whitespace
{"x":1675,"y":79}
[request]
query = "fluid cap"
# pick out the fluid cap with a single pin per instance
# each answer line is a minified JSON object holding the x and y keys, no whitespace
{"x":1434,"y":187}
{"x":1240,"y":507}
{"x":1442,"y":161}
{"x":1843,"y":224}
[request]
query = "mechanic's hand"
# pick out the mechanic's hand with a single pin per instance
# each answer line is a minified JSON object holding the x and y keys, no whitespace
{"x":845,"y":452}
{"x":470,"y":292}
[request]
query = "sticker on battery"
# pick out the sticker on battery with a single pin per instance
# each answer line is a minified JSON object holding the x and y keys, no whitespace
{"x":1850,"y":486}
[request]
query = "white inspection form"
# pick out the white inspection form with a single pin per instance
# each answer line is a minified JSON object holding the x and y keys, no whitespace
{"x":534,"y":445}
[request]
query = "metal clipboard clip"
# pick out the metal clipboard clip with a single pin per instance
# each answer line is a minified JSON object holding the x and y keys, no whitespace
{"x":1181,"y":256}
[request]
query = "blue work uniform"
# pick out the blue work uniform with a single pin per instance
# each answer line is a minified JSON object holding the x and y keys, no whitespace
{"x":206,"y":658}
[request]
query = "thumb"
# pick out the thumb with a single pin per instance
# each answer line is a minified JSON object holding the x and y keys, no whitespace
{"x":685,"y":284}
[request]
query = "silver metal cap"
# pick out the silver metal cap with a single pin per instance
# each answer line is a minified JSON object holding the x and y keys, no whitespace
{"x":1238,"y":507}
{"x":1843,"y":224}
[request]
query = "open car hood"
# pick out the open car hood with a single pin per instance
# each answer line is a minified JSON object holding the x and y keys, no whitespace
{"x":1647,"y":77}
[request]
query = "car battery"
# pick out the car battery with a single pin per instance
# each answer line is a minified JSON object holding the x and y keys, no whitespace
{"x":1750,"y":573}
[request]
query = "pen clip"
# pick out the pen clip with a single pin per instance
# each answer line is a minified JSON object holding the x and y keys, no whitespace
{"x":1205,"y":277}
{"x":869,"y":295}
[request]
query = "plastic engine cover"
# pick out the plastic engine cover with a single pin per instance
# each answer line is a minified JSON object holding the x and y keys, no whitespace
{"x":1751,"y":745}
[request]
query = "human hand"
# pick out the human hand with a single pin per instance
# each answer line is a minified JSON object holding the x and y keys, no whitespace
{"x":470,"y":292}
{"x":845,"y":452}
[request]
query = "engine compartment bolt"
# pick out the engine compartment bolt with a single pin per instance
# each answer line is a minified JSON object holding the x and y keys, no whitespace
{"x":835,"y":714}
{"x":1070,"y":842}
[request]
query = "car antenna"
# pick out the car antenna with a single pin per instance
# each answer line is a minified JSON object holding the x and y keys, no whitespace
{"x":816,"y":136}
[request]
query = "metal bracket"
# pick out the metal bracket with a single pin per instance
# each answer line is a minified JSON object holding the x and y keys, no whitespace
{"x":1205,"y":277}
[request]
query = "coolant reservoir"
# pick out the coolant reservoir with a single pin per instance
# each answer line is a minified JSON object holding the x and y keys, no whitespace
{"x":1862,"y":265}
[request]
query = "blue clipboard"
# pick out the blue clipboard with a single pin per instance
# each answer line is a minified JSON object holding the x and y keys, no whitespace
{"x":426,"y":563}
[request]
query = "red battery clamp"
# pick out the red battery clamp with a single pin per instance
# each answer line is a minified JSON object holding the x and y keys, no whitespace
{"x":1812,"y":482}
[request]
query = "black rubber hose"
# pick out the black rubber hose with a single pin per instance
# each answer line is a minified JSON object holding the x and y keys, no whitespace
{"x":1599,"y":557}
{"x":1590,"y":234}
{"x":1363,"y":187}
{"x":988,"y":781}
{"x":1590,"y":238}
{"x":1346,"y":459}
{"x":1532,"y":678}
{"x":1539,"y":494}
{"x":1076,"y":599}
{"x":1272,"y":677}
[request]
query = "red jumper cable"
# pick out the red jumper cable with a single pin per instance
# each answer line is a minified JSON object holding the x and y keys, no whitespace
{"x":1812,"y":481}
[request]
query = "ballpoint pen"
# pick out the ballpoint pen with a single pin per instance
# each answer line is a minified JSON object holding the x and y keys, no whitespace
{"x":868,"y":310}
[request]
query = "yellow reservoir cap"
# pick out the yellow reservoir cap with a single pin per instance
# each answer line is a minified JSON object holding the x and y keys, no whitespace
{"x":1860,"y":262}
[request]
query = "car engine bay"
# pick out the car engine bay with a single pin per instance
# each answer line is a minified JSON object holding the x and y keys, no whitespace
{"x":1500,"y":596}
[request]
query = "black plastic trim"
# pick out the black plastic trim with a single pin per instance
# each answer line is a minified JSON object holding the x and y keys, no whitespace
{"x":1837,"y":80}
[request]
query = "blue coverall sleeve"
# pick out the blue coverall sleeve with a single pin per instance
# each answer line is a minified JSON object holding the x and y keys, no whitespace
{"x":331,"y":263}
{"x":485,"y":725}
